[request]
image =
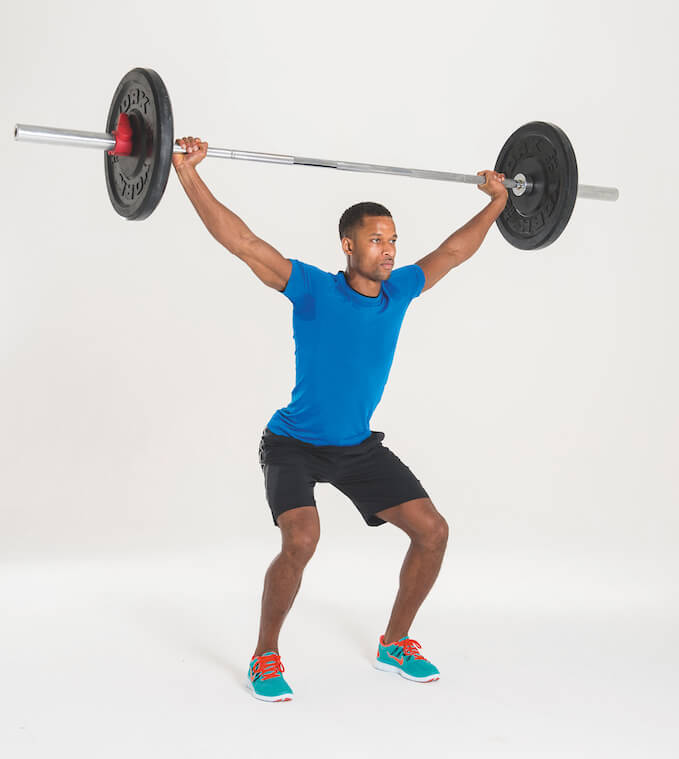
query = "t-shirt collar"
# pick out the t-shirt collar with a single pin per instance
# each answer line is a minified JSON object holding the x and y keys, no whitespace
{"x":366,"y":301}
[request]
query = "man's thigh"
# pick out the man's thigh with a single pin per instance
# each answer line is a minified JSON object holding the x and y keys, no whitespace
{"x":376,"y":481}
{"x":418,"y":517}
{"x":290,"y":475}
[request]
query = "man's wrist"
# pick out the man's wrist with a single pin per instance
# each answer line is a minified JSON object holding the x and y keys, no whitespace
{"x":498,"y":202}
{"x":185,"y":168}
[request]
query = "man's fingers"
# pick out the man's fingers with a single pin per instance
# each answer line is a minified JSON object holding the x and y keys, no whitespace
{"x":488,"y":174}
{"x":490,"y":177}
{"x":190,"y":144}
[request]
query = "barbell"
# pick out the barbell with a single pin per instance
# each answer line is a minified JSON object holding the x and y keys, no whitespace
{"x":537,"y":159}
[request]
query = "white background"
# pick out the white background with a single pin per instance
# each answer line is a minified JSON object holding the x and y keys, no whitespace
{"x":534,"y":394}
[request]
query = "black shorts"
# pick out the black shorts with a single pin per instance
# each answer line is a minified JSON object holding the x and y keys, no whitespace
{"x":371,"y":475}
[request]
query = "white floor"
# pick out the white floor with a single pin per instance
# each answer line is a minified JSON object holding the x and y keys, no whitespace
{"x":148,"y":659}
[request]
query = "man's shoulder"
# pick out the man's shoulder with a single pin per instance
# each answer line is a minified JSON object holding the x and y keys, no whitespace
{"x":406,"y":281}
{"x":311,"y":268}
{"x":407,"y":270}
{"x":306,"y":281}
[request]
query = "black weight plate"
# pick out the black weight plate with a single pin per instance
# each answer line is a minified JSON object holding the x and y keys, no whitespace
{"x":544,"y":154}
{"x":136,"y":183}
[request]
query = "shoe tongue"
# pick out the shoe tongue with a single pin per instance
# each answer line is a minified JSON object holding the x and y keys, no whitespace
{"x":266,"y":653}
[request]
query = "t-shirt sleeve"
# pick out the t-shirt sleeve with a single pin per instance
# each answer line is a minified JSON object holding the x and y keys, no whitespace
{"x":304,"y":282}
{"x":410,"y":280}
{"x":297,"y":283}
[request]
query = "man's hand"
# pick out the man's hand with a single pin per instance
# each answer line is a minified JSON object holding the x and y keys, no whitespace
{"x":195,"y":152}
{"x":493,"y":185}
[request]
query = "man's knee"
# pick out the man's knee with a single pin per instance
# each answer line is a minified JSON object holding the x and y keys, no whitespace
{"x":438,"y":532}
{"x":300,"y":530}
{"x":431,"y":531}
{"x":420,"y":519}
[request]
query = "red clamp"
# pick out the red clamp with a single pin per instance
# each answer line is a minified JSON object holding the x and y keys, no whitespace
{"x":123,"y":134}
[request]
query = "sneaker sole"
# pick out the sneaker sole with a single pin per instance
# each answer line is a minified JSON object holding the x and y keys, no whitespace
{"x":397,"y":670}
{"x":284,"y":697}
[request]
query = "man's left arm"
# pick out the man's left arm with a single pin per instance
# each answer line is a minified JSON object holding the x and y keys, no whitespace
{"x":463,"y":243}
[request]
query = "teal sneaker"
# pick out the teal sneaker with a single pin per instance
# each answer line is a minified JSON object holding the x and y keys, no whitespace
{"x":265,"y":679}
{"x":402,"y":656}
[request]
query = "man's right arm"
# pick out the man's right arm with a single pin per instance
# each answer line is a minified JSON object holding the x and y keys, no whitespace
{"x":228,"y":228}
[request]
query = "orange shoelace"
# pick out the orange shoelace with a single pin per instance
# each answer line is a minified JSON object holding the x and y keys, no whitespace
{"x":410,"y":647}
{"x":268,"y":666}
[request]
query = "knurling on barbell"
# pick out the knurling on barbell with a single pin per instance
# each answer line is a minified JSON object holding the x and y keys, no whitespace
{"x":537,"y":159}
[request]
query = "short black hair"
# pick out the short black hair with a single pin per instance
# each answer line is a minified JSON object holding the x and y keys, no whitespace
{"x":353,"y":216}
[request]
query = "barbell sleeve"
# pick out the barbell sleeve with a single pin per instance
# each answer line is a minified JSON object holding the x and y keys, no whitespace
{"x":69,"y":137}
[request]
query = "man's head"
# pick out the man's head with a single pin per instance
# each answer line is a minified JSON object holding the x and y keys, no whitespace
{"x":368,"y":238}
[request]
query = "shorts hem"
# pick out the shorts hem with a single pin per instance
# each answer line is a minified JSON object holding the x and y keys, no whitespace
{"x":289,"y":508}
{"x":381,"y":521}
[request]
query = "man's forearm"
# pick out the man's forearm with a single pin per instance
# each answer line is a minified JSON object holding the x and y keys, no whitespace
{"x":467,"y":239}
{"x":224,"y":225}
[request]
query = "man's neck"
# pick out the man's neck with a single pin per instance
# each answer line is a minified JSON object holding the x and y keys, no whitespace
{"x":362,"y":285}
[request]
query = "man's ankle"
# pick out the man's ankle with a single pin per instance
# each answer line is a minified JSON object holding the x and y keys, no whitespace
{"x":266,"y":649}
{"x":393,"y":638}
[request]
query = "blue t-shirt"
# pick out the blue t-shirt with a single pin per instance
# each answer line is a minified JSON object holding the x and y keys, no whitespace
{"x":344,"y":348}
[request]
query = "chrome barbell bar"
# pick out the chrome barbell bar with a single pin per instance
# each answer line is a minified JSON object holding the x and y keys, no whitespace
{"x":105,"y":141}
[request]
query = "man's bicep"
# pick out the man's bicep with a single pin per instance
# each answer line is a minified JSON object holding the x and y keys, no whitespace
{"x":436,"y":265}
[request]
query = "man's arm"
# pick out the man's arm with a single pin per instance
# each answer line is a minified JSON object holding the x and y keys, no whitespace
{"x":464,"y":242}
{"x":224,"y":225}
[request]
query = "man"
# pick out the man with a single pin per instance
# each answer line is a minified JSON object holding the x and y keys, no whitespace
{"x":346,"y":328}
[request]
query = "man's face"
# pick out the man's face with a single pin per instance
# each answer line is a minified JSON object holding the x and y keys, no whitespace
{"x":372,"y":247}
